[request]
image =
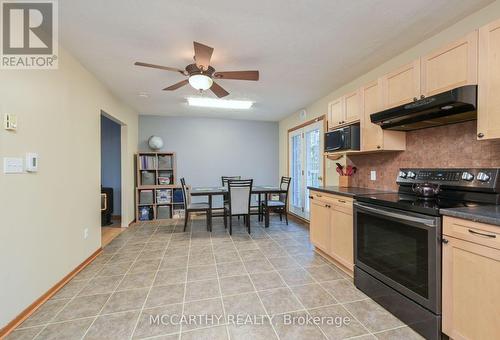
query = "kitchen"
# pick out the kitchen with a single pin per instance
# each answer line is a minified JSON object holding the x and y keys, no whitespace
{"x":416,"y":221}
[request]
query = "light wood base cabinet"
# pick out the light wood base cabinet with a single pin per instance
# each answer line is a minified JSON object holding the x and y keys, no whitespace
{"x":331,"y":227}
{"x":319,"y":230}
{"x":471,"y":280}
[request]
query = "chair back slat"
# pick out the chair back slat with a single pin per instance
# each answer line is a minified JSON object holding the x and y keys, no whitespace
{"x":285,"y":185}
{"x":240,"y":192}
{"x":226,"y":179}
{"x":185,"y":193}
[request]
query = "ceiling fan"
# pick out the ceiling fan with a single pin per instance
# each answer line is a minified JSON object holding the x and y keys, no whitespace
{"x":201,"y":75}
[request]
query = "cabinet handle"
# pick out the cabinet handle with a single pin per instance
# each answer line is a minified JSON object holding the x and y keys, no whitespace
{"x":480,"y":135}
{"x":481,"y":234}
{"x":445,"y":241}
{"x":311,"y":197}
{"x":342,"y":201}
{"x":422,"y":96}
{"x":378,"y":146}
{"x":415,"y":99}
{"x":340,"y":122}
{"x":327,"y":206}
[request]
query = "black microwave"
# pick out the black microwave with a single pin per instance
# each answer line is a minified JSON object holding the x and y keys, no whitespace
{"x":346,"y":138}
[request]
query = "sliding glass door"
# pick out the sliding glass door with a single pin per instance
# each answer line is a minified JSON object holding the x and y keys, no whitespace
{"x":305,"y":165}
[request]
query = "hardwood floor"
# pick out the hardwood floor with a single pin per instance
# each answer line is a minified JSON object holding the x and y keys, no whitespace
{"x":108,"y":234}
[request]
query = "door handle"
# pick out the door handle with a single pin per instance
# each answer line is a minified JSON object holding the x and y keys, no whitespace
{"x":320,"y":178}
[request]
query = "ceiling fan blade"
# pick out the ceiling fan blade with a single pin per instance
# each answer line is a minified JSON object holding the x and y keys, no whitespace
{"x":218,"y":90}
{"x":166,"y":68}
{"x":239,"y":75}
{"x":176,"y":86}
{"x":202,"y":55}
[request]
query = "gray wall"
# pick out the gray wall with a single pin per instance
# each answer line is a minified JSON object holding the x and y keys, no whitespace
{"x":208,"y":148}
{"x":111,"y":160}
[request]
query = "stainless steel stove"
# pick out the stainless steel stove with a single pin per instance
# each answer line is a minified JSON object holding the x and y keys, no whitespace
{"x":397,"y":239}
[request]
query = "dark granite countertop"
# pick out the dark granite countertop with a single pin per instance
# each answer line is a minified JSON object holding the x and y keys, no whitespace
{"x":347,"y":191}
{"x":489,"y":214}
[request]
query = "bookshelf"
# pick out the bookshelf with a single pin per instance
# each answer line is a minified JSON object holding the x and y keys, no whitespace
{"x":157,"y":195}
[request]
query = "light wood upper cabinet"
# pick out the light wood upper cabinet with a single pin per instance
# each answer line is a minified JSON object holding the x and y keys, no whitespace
{"x":401,"y":86}
{"x":471,"y":276}
{"x":352,"y":107}
{"x":335,"y":113}
{"x":451,"y":66}
{"x":488,"y":112}
{"x":345,"y":110}
{"x":319,"y":225}
{"x":372,"y":136}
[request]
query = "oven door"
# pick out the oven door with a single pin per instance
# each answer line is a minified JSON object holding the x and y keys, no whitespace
{"x":401,"y":249}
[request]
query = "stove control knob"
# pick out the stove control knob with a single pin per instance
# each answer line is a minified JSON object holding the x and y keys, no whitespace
{"x":411,"y":175}
{"x":483,"y":177}
{"x":467,"y":176}
{"x":402,"y":174}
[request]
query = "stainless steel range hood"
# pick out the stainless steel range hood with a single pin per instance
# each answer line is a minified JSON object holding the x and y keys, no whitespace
{"x":454,"y":106}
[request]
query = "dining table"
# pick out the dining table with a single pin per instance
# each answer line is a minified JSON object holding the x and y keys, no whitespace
{"x":258,"y":190}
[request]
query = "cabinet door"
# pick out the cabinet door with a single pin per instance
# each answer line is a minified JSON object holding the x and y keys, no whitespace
{"x":335,"y":113}
{"x":451,"y":66}
{"x":471,"y":291}
{"x":342,"y":236}
{"x":488,"y":111}
{"x":319,"y":225}
{"x":372,"y":135}
{"x":352,"y":107}
{"x":401,"y":86}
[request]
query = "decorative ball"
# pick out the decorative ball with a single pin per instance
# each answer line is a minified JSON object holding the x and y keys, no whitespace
{"x":155,"y":142}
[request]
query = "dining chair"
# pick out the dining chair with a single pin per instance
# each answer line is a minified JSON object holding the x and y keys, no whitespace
{"x":226,"y":179}
{"x":239,"y":199}
{"x":278,"y":206}
{"x":194,"y":207}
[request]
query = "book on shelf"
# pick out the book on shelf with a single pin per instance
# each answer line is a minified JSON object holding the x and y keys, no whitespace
{"x":147,"y":162}
{"x":178,"y":196}
{"x":165,"y":177}
{"x":163,"y":196}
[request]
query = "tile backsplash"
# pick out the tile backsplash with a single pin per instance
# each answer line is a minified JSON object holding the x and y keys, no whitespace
{"x":450,"y":146}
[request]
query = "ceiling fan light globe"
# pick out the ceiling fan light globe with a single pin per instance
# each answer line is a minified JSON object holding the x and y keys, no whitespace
{"x":200,"y":82}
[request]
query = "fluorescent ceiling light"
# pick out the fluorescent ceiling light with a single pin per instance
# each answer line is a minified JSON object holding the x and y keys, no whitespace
{"x":219,"y":103}
{"x":200,"y":81}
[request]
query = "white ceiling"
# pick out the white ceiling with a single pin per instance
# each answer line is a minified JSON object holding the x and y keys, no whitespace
{"x":304,"y":49}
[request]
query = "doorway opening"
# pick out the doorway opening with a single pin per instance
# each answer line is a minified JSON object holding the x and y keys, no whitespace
{"x":111,"y":173}
{"x":305,"y":163}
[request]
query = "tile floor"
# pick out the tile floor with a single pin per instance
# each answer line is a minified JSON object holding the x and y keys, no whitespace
{"x":153,"y":270}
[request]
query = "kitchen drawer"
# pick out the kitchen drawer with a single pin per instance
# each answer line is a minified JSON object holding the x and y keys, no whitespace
{"x":480,"y":233}
{"x":336,"y":200}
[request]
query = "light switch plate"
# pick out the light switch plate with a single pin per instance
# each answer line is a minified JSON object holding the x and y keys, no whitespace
{"x":373,"y":175}
{"x":13,"y":165}
{"x":10,"y":122}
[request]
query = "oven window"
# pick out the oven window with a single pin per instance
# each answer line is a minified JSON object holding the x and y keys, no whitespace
{"x":397,"y":250}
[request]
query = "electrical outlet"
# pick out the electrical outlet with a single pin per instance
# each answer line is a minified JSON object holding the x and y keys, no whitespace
{"x":85,"y":233}
{"x":373,"y":175}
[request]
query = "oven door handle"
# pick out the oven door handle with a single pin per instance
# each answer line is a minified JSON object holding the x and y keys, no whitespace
{"x":409,"y":218}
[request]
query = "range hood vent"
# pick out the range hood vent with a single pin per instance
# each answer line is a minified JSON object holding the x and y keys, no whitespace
{"x":454,"y":106}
